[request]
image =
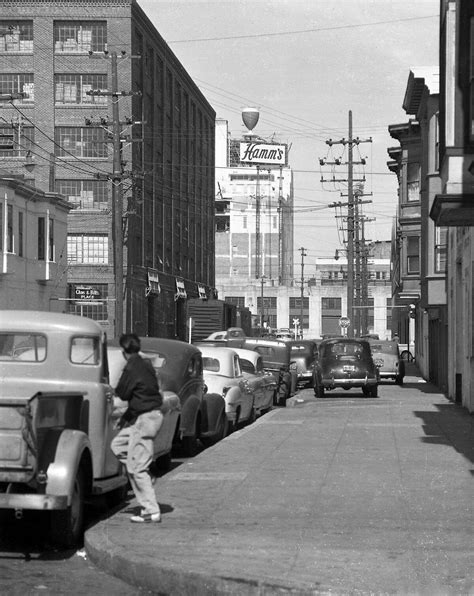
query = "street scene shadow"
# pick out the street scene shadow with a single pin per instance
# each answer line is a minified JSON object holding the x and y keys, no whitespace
{"x":450,"y":425}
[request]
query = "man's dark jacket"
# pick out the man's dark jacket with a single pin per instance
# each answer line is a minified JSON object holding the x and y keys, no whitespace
{"x":139,"y":386}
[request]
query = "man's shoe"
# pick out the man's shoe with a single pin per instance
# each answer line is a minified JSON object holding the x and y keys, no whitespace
{"x":146,"y":518}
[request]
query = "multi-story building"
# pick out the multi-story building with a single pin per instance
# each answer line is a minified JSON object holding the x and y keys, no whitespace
{"x":33,"y":264}
{"x":453,"y":206}
{"x":80,"y":64}
{"x":254,"y":231}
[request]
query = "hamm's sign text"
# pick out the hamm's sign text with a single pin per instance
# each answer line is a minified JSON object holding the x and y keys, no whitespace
{"x":266,"y":153}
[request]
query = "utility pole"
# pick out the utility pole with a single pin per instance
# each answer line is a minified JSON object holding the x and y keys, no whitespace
{"x":303,"y":255}
{"x":117,"y":178}
{"x":364,"y":277}
{"x":258,"y":272}
{"x":351,"y":211}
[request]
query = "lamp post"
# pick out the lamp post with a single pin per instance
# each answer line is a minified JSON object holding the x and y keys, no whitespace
{"x":262,"y":311}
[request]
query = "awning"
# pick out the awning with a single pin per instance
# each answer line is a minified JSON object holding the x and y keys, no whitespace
{"x":153,"y":287}
{"x":202,"y":292}
{"x":180,"y":289}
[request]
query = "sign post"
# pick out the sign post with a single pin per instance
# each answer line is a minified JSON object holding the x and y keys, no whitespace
{"x":344,"y":323}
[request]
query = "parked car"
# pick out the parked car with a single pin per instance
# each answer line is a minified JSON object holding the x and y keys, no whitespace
{"x":179,"y":369}
{"x":56,"y":419}
{"x":276,"y":356}
{"x":387,"y":358}
{"x":234,"y":337}
{"x":223,"y":376}
{"x":262,"y":382}
{"x":346,"y":363}
{"x":304,"y":352}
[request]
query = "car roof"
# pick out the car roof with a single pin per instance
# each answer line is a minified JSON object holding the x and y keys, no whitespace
{"x":36,"y":321}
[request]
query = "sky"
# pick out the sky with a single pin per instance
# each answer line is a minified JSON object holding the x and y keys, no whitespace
{"x":305,"y":64}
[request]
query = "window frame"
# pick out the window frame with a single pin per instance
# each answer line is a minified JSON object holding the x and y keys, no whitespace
{"x":24,"y":36}
{"x":82,"y":82}
{"x":78,"y":42}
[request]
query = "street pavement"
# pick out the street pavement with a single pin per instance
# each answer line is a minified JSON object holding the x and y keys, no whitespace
{"x":341,"y":495}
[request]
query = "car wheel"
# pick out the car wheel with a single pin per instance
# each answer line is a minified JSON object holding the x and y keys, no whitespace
{"x":252,"y":417}
{"x":399,"y":380}
{"x":406,"y":355}
{"x":374,"y":391}
{"x":319,"y":390}
{"x":222,"y":430}
{"x":366,"y":391}
{"x":66,"y":527}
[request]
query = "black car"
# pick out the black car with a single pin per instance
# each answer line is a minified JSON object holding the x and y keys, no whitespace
{"x":305,"y":353}
{"x":346,"y":363}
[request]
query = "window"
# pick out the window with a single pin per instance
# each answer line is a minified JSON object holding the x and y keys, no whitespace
{"x":20,"y":234}
{"x":331,"y":310}
{"x":73,"y":88}
{"x":22,"y":346}
{"x":87,"y":249}
{"x":84,"y":194}
{"x":244,"y":222}
{"x":80,"y":36}
{"x":51,"y":240}
{"x":295,"y":312}
{"x":440,"y":249}
{"x":89,"y":301}
{"x":389,"y":313}
{"x":413,"y":254}
{"x":18,"y":83}
{"x":17,"y":141}
{"x":16,"y":36}
{"x":237,"y":300}
{"x":85,"y":350}
{"x":80,"y":142}
{"x":413,"y":182}
{"x":41,"y":238}
{"x":10,"y":246}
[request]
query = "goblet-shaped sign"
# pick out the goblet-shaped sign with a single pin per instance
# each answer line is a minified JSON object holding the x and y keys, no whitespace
{"x":250,"y":117}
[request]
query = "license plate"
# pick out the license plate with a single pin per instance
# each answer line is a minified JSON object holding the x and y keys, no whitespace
{"x":348,"y":368}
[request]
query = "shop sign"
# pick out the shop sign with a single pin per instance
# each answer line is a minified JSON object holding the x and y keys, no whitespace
{"x":86,"y":293}
{"x":263,"y":153}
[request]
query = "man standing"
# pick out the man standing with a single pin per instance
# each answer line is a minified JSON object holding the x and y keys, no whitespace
{"x":133,"y":445}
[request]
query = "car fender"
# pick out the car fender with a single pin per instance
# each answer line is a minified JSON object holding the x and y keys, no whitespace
{"x":234,"y":397}
{"x":189,"y":414}
{"x":69,"y":447}
{"x":213,"y":405}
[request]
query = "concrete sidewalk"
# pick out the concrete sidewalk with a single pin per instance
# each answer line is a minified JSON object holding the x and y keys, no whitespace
{"x":344,"y":495}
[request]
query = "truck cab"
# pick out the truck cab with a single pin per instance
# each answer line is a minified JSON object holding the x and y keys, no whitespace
{"x":56,"y":418}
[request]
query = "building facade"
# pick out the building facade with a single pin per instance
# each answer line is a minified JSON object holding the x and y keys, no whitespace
{"x":453,"y":206}
{"x":32,"y":247}
{"x":151,"y":169}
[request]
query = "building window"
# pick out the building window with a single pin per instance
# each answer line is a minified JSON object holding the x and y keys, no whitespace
{"x":389,"y":313}
{"x":441,"y":247}
{"x":20,"y":234}
{"x":244,"y":222}
{"x":413,"y":182}
{"x":16,"y":36}
{"x":10,"y":244}
{"x":16,"y":141}
{"x":80,"y":142}
{"x":237,"y":300}
{"x":41,"y":238}
{"x":413,"y":254}
{"x":295,"y":312}
{"x":51,"y":240}
{"x":84,"y":194}
{"x":80,"y":36}
{"x":331,"y":310}
{"x":87,"y":249}
{"x":88,"y":301}
{"x":18,"y":83}
{"x":74,"y":88}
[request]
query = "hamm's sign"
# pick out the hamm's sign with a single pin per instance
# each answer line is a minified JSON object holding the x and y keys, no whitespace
{"x":263,"y":153}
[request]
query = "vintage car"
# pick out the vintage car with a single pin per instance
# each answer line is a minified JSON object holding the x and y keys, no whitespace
{"x":234,"y":337}
{"x":56,"y":419}
{"x":276,"y":356}
{"x":386,"y":356}
{"x":305,"y":353}
{"x":223,"y":375}
{"x":346,"y":363}
{"x":262,"y":382}
{"x":179,"y":369}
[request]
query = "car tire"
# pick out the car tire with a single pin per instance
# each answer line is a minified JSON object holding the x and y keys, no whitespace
{"x":66,"y":526}
{"x":319,"y":391}
{"x":222,"y":430}
{"x":399,"y":380}
{"x":374,"y":391}
{"x":366,"y":391}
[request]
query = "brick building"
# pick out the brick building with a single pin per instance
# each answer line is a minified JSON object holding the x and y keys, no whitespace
{"x":59,"y":54}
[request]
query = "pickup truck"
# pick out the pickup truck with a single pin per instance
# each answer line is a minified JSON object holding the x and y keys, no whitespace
{"x":58,"y":417}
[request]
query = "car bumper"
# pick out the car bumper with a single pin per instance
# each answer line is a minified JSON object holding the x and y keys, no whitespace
{"x":331,"y":383}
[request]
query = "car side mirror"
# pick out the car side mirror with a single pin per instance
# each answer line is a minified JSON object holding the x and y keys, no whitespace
{"x":205,"y":388}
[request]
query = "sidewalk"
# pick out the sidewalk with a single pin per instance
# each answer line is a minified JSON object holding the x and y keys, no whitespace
{"x":334,"y":496}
